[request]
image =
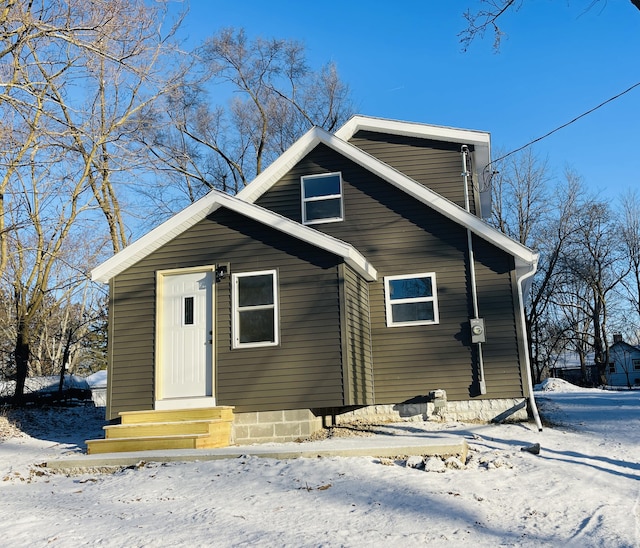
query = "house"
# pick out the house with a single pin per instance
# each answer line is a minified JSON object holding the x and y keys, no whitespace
{"x":566,"y":365}
{"x":355,"y":277}
{"x":624,"y":364}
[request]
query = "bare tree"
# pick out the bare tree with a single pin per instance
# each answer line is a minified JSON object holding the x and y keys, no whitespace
{"x":594,"y":261}
{"x":486,"y":19}
{"x":274,"y":97}
{"x":630,"y":235}
{"x":527,"y":208}
{"x":78,"y":82}
{"x":93,"y":70}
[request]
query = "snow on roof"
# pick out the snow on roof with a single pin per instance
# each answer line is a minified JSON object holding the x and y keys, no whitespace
{"x":98,"y":379}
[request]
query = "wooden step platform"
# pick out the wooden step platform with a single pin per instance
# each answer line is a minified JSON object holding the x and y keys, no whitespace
{"x":201,"y":428}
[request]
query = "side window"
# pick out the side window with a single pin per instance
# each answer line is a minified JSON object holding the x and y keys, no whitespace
{"x":255,"y":309}
{"x":322,"y":198}
{"x":411,"y":300}
{"x":636,"y":365}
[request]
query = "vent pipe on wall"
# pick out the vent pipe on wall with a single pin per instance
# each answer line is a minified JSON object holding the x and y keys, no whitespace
{"x":476,"y":324}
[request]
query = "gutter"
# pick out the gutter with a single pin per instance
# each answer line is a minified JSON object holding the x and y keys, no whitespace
{"x":524,"y":286}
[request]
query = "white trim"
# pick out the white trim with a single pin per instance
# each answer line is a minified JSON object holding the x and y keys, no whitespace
{"x":243,"y":204}
{"x":315,"y":136}
{"x":412,"y":129}
{"x":304,"y":200}
{"x":210,"y":203}
{"x":235,"y":309}
{"x":481,"y":141}
{"x":388,"y":302}
{"x":159,"y":339}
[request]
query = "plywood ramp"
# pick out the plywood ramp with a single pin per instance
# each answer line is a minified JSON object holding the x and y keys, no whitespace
{"x":202,"y":428}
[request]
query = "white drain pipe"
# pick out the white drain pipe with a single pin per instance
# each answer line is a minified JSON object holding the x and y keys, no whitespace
{"x":523,"y":279}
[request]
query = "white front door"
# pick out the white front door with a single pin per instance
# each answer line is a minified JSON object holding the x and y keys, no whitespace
{"x":186,"y":348}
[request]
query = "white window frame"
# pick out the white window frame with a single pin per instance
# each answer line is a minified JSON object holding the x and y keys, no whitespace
{"x":305,"y":201}
{"x":388,"y":301}
{"x":236,"y":309}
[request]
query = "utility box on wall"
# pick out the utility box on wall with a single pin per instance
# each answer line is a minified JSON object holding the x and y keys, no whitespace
{"x":477,"y":330}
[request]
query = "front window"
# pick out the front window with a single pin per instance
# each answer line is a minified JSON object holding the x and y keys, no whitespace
{"x":255,"y":309}
{"x":322,"y":198}
{"x":411,"y":300}
{"x":636,"y":365}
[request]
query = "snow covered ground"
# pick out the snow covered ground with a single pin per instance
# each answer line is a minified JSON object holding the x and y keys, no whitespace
{"x":582,"y":489}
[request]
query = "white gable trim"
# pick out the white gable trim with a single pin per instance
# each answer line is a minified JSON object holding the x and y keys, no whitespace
{"x":480,"y":140}
{"x":315,"y":136}
{"x":243,"y":202}
{"x":211,"y":202}
{"x":412,"y":129}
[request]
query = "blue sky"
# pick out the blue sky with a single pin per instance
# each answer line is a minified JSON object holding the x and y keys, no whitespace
{"x":403,"y":60}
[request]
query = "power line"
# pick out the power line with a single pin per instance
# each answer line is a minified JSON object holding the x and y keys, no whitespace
{"x":568,"y":123}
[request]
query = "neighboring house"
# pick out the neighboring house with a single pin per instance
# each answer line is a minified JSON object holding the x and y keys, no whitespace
{"x":98,"y":384}
{"x":339,"y":279}
{"x":624,"y":364}
{"x":47,"y":389}
{"x":566,"y":365}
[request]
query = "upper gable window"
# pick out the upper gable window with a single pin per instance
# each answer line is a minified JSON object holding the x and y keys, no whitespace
{"x":411,"y":300}
{"x":322,"y":198}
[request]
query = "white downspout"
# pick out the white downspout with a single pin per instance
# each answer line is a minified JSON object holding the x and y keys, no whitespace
{"x":522,"y":280}
{"x":472,"y":268}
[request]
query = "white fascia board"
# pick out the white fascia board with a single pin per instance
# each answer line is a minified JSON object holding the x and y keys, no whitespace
{"x":412,"y":129}
{"x":155,"y":239}
{"x":430,"y":198}
{"x":480,"y":140}
{"x":203,"y":207}
{"x":315,"y":136}
{"x":304,"y":233}
{"x":286,"y":161}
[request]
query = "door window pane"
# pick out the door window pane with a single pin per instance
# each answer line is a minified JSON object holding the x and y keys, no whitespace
{"x":188,"y":311}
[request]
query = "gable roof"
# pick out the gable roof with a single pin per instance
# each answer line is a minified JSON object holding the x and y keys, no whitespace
{"x":624,"y":347}
{"x":243,"y":203}
{"x":315,"y":136}
{"x":207,"y":205}
{"x":480,"y":140}
{"x":412,"y":129}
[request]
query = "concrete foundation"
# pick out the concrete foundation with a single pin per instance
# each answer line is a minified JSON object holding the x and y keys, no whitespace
{"x":483,"y":411}
{"x":274,"y":426}
{"x":292,"y":425}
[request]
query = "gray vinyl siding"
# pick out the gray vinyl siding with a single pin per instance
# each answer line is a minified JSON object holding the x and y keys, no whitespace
{"x":357,"y":357}
{"x":496,"y":303}
{"x":303,"y":371}
{"x":402,"y":236}
{"x":434,"y":164}
{"x":131,"y":375}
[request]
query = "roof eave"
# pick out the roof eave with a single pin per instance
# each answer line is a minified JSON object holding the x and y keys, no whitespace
{"x":412,"y":129}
